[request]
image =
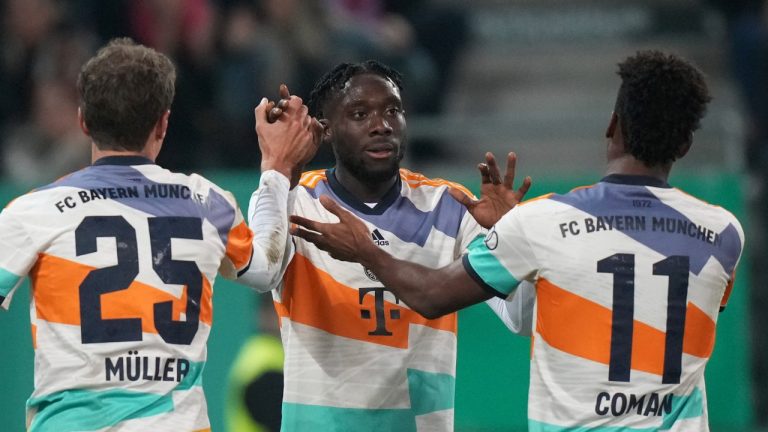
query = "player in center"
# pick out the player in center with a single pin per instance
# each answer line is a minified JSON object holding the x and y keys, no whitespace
{"x":356,"y":356}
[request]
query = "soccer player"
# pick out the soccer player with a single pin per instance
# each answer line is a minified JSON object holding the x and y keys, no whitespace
{"x":356,"y":356}
{"x":122,"y":255}
{"x":630,"y":273}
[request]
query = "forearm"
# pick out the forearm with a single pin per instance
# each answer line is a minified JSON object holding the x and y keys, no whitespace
{"x":268,"y":219}
{"x":430,"y":292}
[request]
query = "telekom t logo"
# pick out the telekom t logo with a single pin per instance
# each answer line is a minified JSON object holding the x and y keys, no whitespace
{"x":378,"y":303}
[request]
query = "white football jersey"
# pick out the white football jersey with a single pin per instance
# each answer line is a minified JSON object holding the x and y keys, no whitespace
{"x":122,"y":257}
{"x":356,"y":357}
{"x":630,"y":275}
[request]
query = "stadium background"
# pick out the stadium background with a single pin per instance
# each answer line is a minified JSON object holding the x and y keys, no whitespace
{"x":537,"y":77}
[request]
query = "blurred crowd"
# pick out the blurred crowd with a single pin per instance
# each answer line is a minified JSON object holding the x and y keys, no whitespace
{"x":229,"y":53}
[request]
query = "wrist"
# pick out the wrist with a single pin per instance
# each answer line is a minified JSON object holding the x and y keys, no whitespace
{"x":374,"y":257}
{"x":282,"y":168}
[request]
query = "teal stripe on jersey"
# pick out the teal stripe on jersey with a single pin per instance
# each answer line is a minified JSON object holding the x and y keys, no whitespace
{"x":85,"y":410}
{"x":489,"y":269}
{"x":301,"y":418}
{"x":683,"y":407}
{"x":430,"y":391}
{"x":8,"y":280}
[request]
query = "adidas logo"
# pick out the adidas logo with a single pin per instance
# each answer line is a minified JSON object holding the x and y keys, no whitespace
{"x":379,"y":239}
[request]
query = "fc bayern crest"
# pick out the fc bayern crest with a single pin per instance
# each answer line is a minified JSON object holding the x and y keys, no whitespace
{"x":371,"y":276}
{"x":492,"y":239}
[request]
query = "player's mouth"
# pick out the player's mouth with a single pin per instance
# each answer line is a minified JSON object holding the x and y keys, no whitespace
{"x":380,"y":151}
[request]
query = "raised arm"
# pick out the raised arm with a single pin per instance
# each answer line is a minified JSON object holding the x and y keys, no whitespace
{"x":430,"y":292}
{"x":288,"y":139}
{"x":497,"y":195}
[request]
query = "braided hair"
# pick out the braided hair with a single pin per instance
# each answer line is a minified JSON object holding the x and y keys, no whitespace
{"x":661,"y":101}
{"x":329,"y":85}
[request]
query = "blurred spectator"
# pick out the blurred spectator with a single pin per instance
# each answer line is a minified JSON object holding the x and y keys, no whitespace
{"x":250,"y":66}
{"x":443,"y":31}
{"x":42,"y":55}
{"x":255,"y":388}
{"x":51,"y":144}
{"x":27,"y":25}
{"x":229,"y":53}
{"x":390,"y":38}
{"x":184,"y":30}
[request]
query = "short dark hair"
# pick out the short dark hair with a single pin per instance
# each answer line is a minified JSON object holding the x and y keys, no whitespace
{"x":124,"y":90}
{"x":661,"y":101}
{"x":329,"y":84}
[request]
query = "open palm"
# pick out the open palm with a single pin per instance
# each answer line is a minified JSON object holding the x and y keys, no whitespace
{"x":497,"y":195}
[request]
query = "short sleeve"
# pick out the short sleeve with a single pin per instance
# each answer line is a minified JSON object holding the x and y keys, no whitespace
{"x":503,"y":258}
{"x":17,"y":255}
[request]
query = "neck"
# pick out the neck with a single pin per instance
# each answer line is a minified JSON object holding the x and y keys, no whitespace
{"x":97,"y":153}
{"x":628,"y":165}
{"x":365,"y":191}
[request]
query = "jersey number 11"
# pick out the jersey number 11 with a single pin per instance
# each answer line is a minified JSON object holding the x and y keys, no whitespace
{"x":622,"y":266}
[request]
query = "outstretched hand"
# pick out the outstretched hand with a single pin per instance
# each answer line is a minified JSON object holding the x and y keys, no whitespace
{"x":347,"y":240}
{"x":497,"y":196}
{"x":288,"y":136}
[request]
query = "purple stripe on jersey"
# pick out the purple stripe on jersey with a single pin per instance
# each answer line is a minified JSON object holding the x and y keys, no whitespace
{"x":404,"y":219}
{"x":667,"y":231}
{"x":152,"y":196}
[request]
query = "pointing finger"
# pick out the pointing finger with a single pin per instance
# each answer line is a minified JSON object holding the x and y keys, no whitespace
{"x":333,"y":207}
{"x":307,"y":223}
{"x":461,"y":197}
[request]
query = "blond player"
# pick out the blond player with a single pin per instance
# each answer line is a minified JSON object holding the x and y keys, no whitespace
{"x":122,"y":255}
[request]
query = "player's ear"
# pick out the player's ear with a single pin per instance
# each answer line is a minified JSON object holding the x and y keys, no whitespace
{"x":162,"y":125}
{"x":327,"y":134}
{"x":81,"y":121}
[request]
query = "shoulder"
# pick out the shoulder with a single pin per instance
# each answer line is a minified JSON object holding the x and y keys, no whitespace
{"x":310,"y":179}
{"x":416,"y":180}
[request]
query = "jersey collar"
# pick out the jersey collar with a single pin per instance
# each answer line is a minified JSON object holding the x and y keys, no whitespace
{"x":392,"y":194}
{"x":123,"y":160}
{"x":635,"y":180}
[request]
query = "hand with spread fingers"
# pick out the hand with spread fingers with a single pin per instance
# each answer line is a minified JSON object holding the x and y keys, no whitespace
{"x":288,"y":136}
{"x":497,"y":196}
{"x":347,"y":240}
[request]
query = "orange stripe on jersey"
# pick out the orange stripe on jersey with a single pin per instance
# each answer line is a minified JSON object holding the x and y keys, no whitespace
{"x":582,"y":328}
{"x":56,"y":284}
{"x":311,"y":178}
{"x":581,"y":187}
{"x":415,"y":180}
{"x":314,"y":298}
{"x":699,"y":337}
{"x":538,"y":198}
{"x":239,"y":245}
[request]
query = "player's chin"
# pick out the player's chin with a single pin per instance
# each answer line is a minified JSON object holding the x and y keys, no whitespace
{"x":382,"y":170}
